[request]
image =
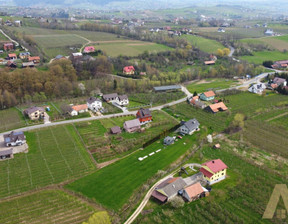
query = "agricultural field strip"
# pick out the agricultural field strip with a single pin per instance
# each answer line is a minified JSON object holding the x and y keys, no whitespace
{"x":276,"y":117}
{"x":29,"y":169}
{"x":37,"y":135}
{"x":57,"y":145}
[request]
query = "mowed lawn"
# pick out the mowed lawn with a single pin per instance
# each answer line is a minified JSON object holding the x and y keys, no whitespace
{"x":130,"y":48}
{"x":210,"y":84}
{"x":47,"y":206}
{"x":55,"y":155}
{"x":113,"y":185}
{"x":260,"y":56}
{"x":11,"y":119}
{"x":204,"y":44}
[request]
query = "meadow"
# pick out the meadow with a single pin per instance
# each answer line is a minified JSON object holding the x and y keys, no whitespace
{"x":46,"y":206}
{"x":260,"y":56}
{"x":55,"y":155}
{"x":210,"y":84}
{"x":11,"y":119}
{"x":126,"y":175}
{"x":204,"y":44}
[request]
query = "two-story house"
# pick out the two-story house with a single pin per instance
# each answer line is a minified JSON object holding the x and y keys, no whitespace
{"x":189,"y":127}
{"x":214,"y":171}
{"x":35,"y":113}
{"x":122,"y":100}
{"x":129,"y":70}
{"x":94,"y":103}
{"x":14,"y":139}
{"x":144,"y":115}
{"x":207,"y":96}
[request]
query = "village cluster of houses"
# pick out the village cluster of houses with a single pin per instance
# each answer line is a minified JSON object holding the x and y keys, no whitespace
{"x":10,"y":60}
{"x":191,"y":188}
{"x":143,"y":116}
{"x":203,"y":101}
{"x":258,"y":88}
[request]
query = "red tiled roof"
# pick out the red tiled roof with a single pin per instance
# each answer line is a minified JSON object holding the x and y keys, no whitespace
{"x":128,"y":69}
{"x":194,"y":190}
{"x":218,"y":106}
{"x":206,"y":172}
{"x":215,"y":165}
{"x":89,"y":49}
{"x":34,"y":58}
{"x":209,"y":93}
{"x":80,"y":107}
{"x":209,"y":62}
{"x":12,"y":55}
{"x":274,"y":86}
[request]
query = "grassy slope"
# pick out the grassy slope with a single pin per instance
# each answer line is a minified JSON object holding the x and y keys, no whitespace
{"x":204,"y":44}
{"x":11,"y":119}
{"x":260,"y":56}
{"x":48,"y":206}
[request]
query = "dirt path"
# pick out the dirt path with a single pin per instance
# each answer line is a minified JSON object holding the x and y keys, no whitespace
{"x":278,"y":116}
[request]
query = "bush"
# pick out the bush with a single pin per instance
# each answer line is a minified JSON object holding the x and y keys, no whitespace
{"x":177,"y":202}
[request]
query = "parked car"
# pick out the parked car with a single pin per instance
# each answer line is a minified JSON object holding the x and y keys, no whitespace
{"x":180,"y":137}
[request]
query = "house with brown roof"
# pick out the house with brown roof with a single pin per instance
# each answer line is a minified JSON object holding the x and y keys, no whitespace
{"x":144,"y":115}
{"x":8,"y":46}
{"x":195,"y":101}
{"x":14,"y":139}
{"x":132,"y":125}
{"x":35,"y":59}
{"x":35,"y":113}
{"x":194,"y":192}
{"x":214,"y":171}
{"x":207,"y":96}
{"x":280,"y":81}
{"x":216,"y":107}
{"x":78,"y":109}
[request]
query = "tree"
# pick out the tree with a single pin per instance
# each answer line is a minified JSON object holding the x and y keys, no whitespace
{"x":226,"y":51}
{"x":195,"y":94}
{"x":220,"y":53}
{"x":239,"y":120}
{"x":99,"y":218}
{"x":115,"y":84}
{"x":177,"y":202}
{"x":268,"y":63}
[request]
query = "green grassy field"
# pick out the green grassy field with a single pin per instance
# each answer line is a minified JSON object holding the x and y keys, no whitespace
{"x":130,"y":48}
{"x":210,"y":84}
{"x":204,"y":44}
{"x":55,"y":155}
{"x":260,"y":56}
{"x":128,"y":174}
{"x":11,"y":119}
{"x":47,"y":206}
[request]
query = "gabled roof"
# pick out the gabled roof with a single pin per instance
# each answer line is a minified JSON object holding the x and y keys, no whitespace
{"x":12,"y":55}
{"x":24,"y":53}
{"x":6,"y":152}
{"x":14,"y":136}
{"x":132,"y":123}
{"x":206,"y":172}
{"x":215,"y":165}
{"x":33,"y":109}
{"x":80,"y":107}
{"x":209,"y":93}
{"x":123,"y":97}
{"x":278,"y":80}
{"x":194,"y":190}
{"x":143,"y":113}
{"x":34,"y":58}
{"x":218,"y":106}
{"x":173,"y":187}
{"x":116,"y":130}
{"x":77,"y":54}
{"x":28,"y":64}
{"x":191,"y":124}
{"x":92,"y":99}
{"x":111,"y":95}
{"x":128,"y":68}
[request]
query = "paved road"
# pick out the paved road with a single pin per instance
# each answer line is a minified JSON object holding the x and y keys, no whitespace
{"x":148,"y":195}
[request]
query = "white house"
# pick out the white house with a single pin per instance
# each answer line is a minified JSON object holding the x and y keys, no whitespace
{"x":122,"y":100}
{"x":14,"y":139}
{"x":78,"y":109}
{"x":94,"y":103}
{"x":257,"y":88}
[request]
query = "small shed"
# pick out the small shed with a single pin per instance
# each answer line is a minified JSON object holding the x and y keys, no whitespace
{"x":217,"y":146}
{"x":6,"y":154}
{"x":115,"y":130}
{"x":168,"y":140}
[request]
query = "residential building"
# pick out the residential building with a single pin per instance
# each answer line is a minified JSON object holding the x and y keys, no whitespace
{"x":168,"y":189}
{"x":216,"y":107}
{"x":221,"y":30}
{"x":189,"y":127}
{"x":35,"y":113}
{"x":11,"y":64}
{"x":195,"y":101}
{"x":144,"y":115}
{"x":29,"y":64}
{"x":14,"y":139}
{"x":214,"y":171}
{"x":94,"y":103}
{"x":129,"y":70}
{"x":8,"y":46}
{"x":78,"y":109}
{"x":89,"y":49}
{"x":6,"y":154}
{"x":24,"y":55}
{"x":207,"y":96}
{"x":115,"y":130}
{"x":194,"y":192}
{"x":269,"y":32}
{"x":12,"y":56}
{"x":112,"y":97}
{"x":77,"y":55}
{"x":257,"y":88}
{"x":132,"y":125}
{"x":280,"y":81}
{"x":35,"y":59}
{"x":122,"y":100}
{"x":168,"y":140}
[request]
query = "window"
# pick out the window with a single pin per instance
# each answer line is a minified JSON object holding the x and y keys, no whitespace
{"x":222,"y":174}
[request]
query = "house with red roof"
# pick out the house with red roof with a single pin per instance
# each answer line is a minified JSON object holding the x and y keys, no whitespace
{"x":89,"y":49}
{"x":144,"y":115}
{"x":207,"y":96}
{"x":78,"y":109}
{"x":216,"y":107}
{"x":8,"y":46}
{"x":35,"y":59}
{"x":194,"y":192}
{"x":12,"y":56}
{"x":129,"y":70}
{"x":214,"y":171}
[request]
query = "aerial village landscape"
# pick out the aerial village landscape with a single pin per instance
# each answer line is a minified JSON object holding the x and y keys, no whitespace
{"x":137,"y":115}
